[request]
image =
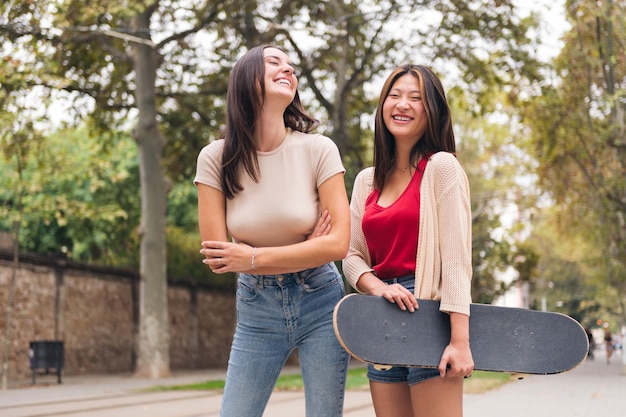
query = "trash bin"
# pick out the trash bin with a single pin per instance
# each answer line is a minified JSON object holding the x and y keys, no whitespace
{"x":46,"y":354}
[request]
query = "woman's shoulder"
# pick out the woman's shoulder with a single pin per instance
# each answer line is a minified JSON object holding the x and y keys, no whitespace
{"x":212,"y":149}
{"x":314,"y":138}
{"x":365,"y":179}
{"x":312,"y":143}
{"x":443,"y":158}
{"x":366,"y":173}
{"x":213,"y":146}
{"x":442,"y":162}
{"x":444,"y":170}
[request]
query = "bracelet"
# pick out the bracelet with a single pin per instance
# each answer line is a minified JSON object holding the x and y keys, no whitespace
{"x":253,"y":256}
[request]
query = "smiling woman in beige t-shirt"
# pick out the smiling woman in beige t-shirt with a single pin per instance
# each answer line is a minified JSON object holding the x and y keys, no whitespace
{"x":267,"y":193}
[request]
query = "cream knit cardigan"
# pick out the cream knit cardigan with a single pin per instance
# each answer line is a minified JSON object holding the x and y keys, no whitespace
{"x":444,"y":249}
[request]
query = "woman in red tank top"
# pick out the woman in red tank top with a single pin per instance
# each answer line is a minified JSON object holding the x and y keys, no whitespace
{"x":412,"y":209}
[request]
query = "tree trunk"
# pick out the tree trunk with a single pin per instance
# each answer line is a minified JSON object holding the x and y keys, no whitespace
{"x":153,"y":338}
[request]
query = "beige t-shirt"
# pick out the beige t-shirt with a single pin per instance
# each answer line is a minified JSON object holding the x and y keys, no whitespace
{"x":283,"y":207}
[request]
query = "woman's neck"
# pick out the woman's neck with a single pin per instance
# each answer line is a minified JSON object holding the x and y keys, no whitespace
{"x":270,"y":133}
{"x":403,"y":159}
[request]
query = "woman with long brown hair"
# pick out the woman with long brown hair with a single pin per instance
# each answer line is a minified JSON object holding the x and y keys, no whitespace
{"x":267,"y":194}
{"x":411,"y":237}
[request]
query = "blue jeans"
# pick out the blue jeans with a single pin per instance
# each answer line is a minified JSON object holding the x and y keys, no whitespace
{"x":276,"y":314}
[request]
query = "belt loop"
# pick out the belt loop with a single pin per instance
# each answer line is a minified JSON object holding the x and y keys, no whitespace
{"x":259,"y":281}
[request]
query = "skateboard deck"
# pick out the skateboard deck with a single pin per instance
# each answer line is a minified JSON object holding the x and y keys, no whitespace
{"x":502,"y":339}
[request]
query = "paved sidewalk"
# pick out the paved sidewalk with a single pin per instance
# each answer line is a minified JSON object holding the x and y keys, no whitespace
{"x":593,"y":389}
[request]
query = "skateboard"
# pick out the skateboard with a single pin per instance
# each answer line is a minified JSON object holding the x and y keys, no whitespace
{"x":502,"y":339}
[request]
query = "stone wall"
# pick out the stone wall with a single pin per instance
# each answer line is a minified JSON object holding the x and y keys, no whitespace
{"x":94,"y":311}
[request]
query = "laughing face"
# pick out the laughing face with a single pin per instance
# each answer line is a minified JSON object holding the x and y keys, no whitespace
{"x":280,"y":79}
{"x":403,"y":110}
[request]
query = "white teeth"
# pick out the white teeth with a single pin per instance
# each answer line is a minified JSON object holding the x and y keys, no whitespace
{"x":401,"y":118}
{"x":284,"y":82}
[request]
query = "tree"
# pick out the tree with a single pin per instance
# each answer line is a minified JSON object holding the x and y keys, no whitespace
{"x":578,"y":130}
{"x":493,"y":62}
{"x":142,"y":61}
{"x":345,"y":48}
{"x":81,"y":197}
{"x":106,"y":52}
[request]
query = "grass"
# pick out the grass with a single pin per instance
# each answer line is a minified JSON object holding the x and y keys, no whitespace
{"x":357,"y":380}
{"x":482,"y":381}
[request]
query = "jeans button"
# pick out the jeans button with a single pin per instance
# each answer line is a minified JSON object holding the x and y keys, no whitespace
{"x":279,"y":278}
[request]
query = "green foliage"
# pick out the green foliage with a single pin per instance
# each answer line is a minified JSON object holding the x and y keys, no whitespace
{"x":184,"y":261}
{"x":78,"y":198}
{"x":82,"y":202}
{"x":487,"y":149}
{"x":577,"y":139}
{"x":567,"y":280}
{"x":342,"y":49}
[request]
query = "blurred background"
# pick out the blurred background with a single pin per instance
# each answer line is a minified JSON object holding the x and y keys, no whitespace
{"x":105,"y":105}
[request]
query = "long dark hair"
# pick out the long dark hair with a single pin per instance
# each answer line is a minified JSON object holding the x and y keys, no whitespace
{"x":243,"y":107}
{"x":438,"y":135}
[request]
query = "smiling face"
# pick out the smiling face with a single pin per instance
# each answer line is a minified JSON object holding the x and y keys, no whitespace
{"x":403,"y":110}
{"x":280,"y":80}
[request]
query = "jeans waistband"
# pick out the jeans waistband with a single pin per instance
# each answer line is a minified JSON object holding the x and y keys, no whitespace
{"x":400,"y":280}
{"x":281,"y":280}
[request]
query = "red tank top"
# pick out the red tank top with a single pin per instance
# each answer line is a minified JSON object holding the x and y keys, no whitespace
{"x":391,"y":232}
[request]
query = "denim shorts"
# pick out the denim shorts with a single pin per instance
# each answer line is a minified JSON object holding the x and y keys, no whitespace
{"x":398,"y":374}
{"x":401,"y":374}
